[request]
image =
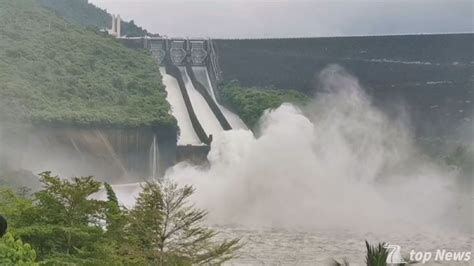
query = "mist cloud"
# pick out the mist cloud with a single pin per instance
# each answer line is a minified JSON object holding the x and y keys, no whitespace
{"x":340,"y":163}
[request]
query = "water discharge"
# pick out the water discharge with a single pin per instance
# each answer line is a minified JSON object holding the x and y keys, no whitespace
{"x":204,"y":113}
{"x":178,"y":109}
{"x":340,"y":162}
{"x":325,"y":178}
{"x":202,"y":76}
{"x":315,"y":182}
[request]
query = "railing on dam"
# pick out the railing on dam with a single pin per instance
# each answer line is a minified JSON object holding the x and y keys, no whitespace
{"x":193,"y":51}
{"x":181,"y":51}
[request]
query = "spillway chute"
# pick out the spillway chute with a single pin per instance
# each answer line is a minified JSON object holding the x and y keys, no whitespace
{"x":202,"y":76}
{"x":178,"y":109}
{"x":204,"y":113}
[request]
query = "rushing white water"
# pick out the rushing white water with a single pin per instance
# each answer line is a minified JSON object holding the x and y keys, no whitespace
{"x":202,"y":76}
{"x":338,"y":166}
{"x":179,"y":111}
{"x":267,"y":245}
{"x":203,"y":112}
{"x":315,"y":183}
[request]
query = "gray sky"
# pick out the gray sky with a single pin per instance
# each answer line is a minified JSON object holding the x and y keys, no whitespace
{"x":294,"y":18}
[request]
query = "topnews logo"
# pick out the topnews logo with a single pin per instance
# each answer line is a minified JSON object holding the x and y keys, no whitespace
{"x":440,"y":255}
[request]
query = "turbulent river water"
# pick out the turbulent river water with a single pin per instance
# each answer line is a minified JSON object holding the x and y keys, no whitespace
{"x":265,"y":245}
{"x":279,"y":246}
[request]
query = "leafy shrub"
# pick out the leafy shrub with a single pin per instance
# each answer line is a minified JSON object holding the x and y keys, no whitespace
{"x":376,"y":255}
{"x":14,"y":252}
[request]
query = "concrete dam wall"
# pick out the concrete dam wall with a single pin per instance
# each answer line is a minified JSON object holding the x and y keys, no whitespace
{"x":430,"y":75}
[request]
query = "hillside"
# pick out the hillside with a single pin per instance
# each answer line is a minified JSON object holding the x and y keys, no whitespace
{"x":83,"y":13}
{"x":431,"y":75}
{"x":57,"y":73}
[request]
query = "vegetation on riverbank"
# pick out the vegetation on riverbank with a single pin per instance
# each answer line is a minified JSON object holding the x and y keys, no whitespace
{"x":250,"y":103}
{"x":52,"y":72}
{"x":62,"y":224}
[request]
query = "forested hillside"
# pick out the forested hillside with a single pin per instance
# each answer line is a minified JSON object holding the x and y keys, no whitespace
{"x":430,"y":75}
{"x":57,"y":73}
{"x":81,"y":12}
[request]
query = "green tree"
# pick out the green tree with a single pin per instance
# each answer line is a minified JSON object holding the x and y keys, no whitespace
{"x":17,"y":209}
{"x":143,"y":226}
{"x":169,"y":230}
{"x":14,"y":252}
{"x":65,"y":226}
{"x":115,"y":218}
{"x":65,"y":223}
{"x":116,"y":221}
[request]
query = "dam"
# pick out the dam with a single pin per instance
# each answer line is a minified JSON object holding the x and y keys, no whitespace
{"x":318,"y":178}
{"x":190,"y":74}
{"x":192,"y":70}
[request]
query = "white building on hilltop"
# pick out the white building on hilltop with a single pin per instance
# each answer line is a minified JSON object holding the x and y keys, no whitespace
{"x":116,"y":29}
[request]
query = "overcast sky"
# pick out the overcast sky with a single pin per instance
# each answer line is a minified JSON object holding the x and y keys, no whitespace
{"x":294,"y":18}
